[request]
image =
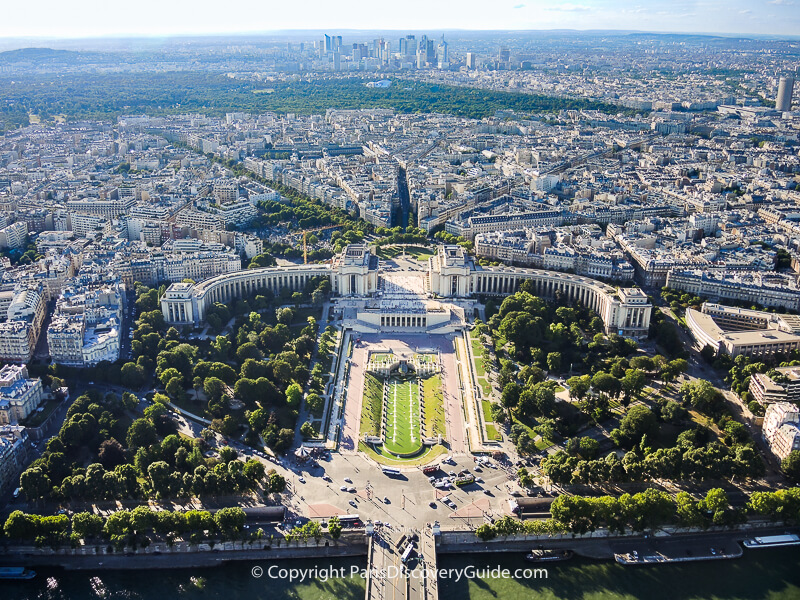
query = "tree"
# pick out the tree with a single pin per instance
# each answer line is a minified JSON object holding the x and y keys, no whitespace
{"x":703,"y":396}
{"x":175,"y":387}
{"x":132,"y":376}
{"x":213,"y":388}
{"x":606,"y":384}
{"x":294,"y":393}
{"x":554,"y":362}
{"x":639,"y":421}
{"x":791,"y":465}
{"x":579,"y":386}
{"x":486,"y":532}
{"x":230,"y":520}
{"x":284,"y":315}
{"x":111,"y":453}
{"x":276,"y":483}
{"x":141,"y":434}
{"x":19,"y":526}
{"x":632,"y":383}
{"x":334,"y":527}
{"x":308,"y":431}
{"x":249,"y":350}
{"x":86,"y":524}
{"x":715,"y":503}
{"x":511,"y":394}
{"x":315,"y":404}
{"x":34,"y":483}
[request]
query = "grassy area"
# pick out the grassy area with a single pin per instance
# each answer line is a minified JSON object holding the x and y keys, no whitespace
{"x":381,"y":357}
{"x":485,"y":386}
{"x":372,"y":406}
{"x":492,"y":433}
{"x":403,"y":418}
{"x":419,"y":252}
{"x":426,"y":358}
{"x":479,"y":368}
{"x":428,"y":455}
{"x":434,"y":405}
{"x":559,"y":389}
{"x":486,"y":408}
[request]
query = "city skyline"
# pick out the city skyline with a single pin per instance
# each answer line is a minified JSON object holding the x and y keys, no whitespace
{"x":96,"y":19}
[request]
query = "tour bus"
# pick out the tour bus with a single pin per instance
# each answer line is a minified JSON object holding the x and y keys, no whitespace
{"x":350,"y":521}
{"x":390,"y":471}
{"x":430,"y":469}
{"x":465,"y":479}
{"x":407,"y":553}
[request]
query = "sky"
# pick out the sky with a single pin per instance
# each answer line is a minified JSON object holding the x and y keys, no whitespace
{"x":108,"y":18}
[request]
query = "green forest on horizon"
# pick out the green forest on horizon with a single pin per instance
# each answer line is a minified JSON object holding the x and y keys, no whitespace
{"x":106,"y":96}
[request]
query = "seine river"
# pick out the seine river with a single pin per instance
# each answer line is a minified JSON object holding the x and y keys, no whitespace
{"x":760,"y":574}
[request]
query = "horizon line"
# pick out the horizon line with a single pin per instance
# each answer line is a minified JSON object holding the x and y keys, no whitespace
{"x":285,"y":32}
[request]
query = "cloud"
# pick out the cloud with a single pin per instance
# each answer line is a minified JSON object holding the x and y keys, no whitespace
{"x":569,"y":8}
{"x":782,"y":2}
{"x":519,"y":6}
{"x":745,"y":12}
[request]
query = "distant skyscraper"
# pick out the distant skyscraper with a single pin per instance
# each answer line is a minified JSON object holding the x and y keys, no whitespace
{"x":785,"y":89}
{"x":443,"y":55}
{"x":505,"y":54}
{"x":471,"y":60}
{"x":328,"y":44}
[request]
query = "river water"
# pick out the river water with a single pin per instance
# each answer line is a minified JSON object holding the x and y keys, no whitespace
{"x":761,"y":574}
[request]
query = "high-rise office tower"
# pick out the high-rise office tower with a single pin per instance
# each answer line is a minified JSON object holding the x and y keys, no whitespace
{"x":471,"y":60}
{"x":431,"y":52}
{"x":328,"y":44}
{"x":443,"y":56}
{"x":785,"y":89}
{"x":422,"y":52}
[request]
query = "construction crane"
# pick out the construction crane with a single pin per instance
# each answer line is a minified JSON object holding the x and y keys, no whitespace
{"x":305,"y":232}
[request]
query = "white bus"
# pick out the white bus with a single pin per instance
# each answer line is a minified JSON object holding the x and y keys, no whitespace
{"x":390,"y":471}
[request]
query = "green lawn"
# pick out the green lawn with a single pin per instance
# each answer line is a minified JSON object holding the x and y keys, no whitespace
{"x":372,"y":406}
{"x":434,"y":405}
{"x":486,"y":388}
{"x":419,"y":252}
{"x":381,"y":357}
{"x":479,"y":369}
{"x":492,"y":433}
{"x":384,"y":458}
{"x":403,"y":418}
{"x":486,"y":408}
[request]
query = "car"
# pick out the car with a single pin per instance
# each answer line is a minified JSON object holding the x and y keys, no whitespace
{"x":432,"y":504}
{"x":353,"y":503}
{"x":386,"y":500}
{"x":477,"y":469}
{"x":301,"y":479}
{"x":325,"y":478}
{"x":451,"y":473}
{"x":431,"y":479}
{"x":348,"y":480}
{"x":378,"y":523}
{"x":352,"y":490}
{"x":343,"y":488}
{"x":479,"y":479}
{"x":17,"y":492}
